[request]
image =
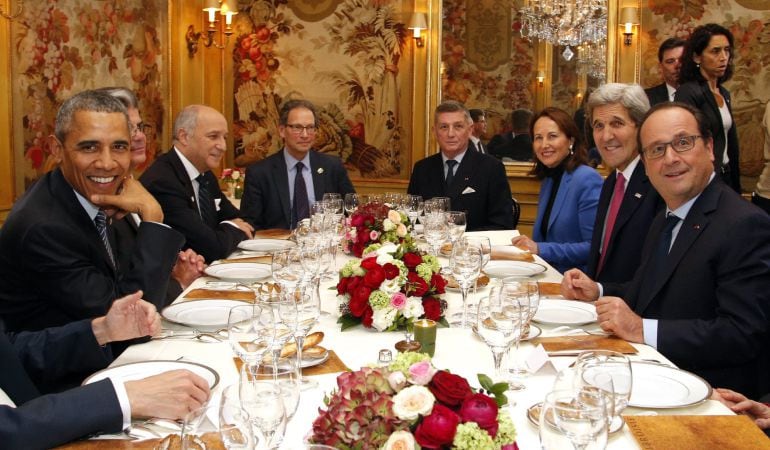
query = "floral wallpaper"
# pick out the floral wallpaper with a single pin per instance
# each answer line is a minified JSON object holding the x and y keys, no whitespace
{"x":347,"y":62}
{"x":61,"y":48}
{"x":749,"y":21}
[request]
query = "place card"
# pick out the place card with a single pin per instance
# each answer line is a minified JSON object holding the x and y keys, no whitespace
{"x":538,"y":360}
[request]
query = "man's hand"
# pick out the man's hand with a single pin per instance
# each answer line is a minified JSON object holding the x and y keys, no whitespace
{"x":169,"y":395}
{"x":576,"y":285}
{"x":189,"y":266}
{"x":525,"y":243}
{"x":132,"y":198}
{"x":616,"y":317}
{"x":739,"y":404}
{"x":129,"y":317}
{"x":244,"y":226}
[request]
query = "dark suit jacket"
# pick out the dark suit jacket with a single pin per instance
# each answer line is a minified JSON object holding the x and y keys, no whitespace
{"x":713,"y":302}
{"x":641,"y":203}
{"x":167,"y":180}
{"x":50,"y":420}
{"x":54,"y":268}
{"x":490,"y":207}
{"x":518,"y":148}
{"x":697,"y":94}
{"x":266,"y":203}
{"x":657,"y":94}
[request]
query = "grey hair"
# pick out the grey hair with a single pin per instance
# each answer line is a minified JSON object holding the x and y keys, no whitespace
{"x":186,"y":120}
{"x":91,"y":100}
{"x":630,"y":96}
{"x":125,"y":95}
{"x":449,"y":106}
{"x":290,"y":105}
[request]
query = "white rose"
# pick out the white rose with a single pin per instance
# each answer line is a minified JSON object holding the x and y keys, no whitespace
{"x":397,"y":380}
{"x":394,"y":216}
{"x":388,"y":225}
{"x":401,"y":230}
{"x":412,"y":402}
{"x":400,"y":440}
{"x":413,"y":308}
{"x":383,"y":318}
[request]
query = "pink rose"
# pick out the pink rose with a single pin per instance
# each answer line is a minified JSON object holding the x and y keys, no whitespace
{"x":421,"y":373}
{"x":373,"y":235}
{"x":481,"y":409}
{"x":398,"y":300}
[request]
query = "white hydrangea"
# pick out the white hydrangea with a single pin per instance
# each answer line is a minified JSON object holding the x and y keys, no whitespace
{"x":383,"y":318}
{"x":388,"y":225}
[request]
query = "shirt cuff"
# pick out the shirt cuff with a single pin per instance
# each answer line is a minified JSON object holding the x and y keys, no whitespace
{"x":601,"y":289}
{"x":125,"y":405}
{"x":650,"y":330}
{"x":229,"y":222}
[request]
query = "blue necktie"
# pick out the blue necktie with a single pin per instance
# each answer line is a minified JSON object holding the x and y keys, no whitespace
{"x":450,"y":172}
{"x":657,"y":264}
{"x":301,"y":206}
{"x":101,"y":226}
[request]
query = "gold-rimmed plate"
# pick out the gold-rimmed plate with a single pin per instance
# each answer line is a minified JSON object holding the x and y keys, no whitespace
{"x":143,"y":369}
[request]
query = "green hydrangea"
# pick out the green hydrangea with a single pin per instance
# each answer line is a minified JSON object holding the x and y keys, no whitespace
{"x":506,"y":432}
{"x":405,"y":360}
{"x":372,"y":248}
{"x":404,"y":271}
{"x":350,"y":268}
{"x":379,"y":300}
{"x":470,"y":437}
{"x":425,"y":271}
{"x":432,"y":261}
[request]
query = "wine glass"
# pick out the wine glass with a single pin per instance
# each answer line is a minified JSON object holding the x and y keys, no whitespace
{"x":250,"y":333}
{"x":331,"y":196}
{"x":515,"y":290}
{"x":435,"y":230}
{"x":577,"y":414}
{"x":229,"y":421}
{"x":287,"y":268}
{"x":264,"y":402}
{"x":498,"y":322}
{"x":414,"y":207}
{"x":465,"y":264}
{"x":284,"y":311}
{"x":351,"y":203}
{"x":308,"y":311}
{"x":284,"y":374}
{"x":590,"y":364}
{"x":484,"y":244}
{"x":456,"y":222}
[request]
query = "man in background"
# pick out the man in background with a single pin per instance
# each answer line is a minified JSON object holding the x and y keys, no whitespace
{"x":516,"y":145}
{"x":669,"y":63}
{"x":479,"y":129}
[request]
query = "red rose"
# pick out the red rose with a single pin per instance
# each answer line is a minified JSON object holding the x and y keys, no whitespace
{"x":357,"y":220}
{"x":437,"y":429}
{"x":374,"y":277}
{"x":353,"y":283}
{"x":367,"y":316}
{"x":438,"y":282}
{"x":432,"y":308}
{"x":369,"y":263}
{"x":481,"y":409}
{"x":342,"y":285}
{"x":412,"y":260}
{"x":358,"y":249}
{"x":416,"y":286}
{"x":363,"y":236}
{"x":513,"y":446}
{"x":391,"y":271}
{"x":449,"y":389}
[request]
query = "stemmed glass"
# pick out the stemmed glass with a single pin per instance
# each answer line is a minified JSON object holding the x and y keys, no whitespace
{"x":498,"y":322}
{"x":351,"y":203}
{"x":264,"y":402}
{"x":591,"y":364}
{"x":250,"y":333}
{"x":456,"y":222}
{"x":437,"y":205}
{"x":435,"y":230}
{"x":465,"y":264}
{"x":308,"y":311}
{"x":578,"y":414}
{"x":287,"y":268}
{"x":483,"y":243}
{"x":516,"y":290}
{"x":414,"y":207}
{"x":233,"y":427}
{"x":284,"y":311}
{"x":284,"y":374}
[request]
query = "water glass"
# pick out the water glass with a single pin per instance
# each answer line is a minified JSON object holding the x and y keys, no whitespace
{"x":573,"y":417}
{"x":498,"y":323}
{"x":264,"y":403}
{"x":351,"y":203}
{"x":284,"y":374}
{"x":250,"y":332}
{"x":465,"y":265}
{"x":230,"y":423}
{"x":590,"y":365}
{"x":456,"y":222}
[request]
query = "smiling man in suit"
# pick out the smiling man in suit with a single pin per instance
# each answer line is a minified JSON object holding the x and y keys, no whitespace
{"x":279,"y":190}
{"x":700,"y":295}
{"x":669,"y":63}
{"x":189,"y":192}
{"x":474,"y":182}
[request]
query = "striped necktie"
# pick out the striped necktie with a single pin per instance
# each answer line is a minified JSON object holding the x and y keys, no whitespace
{"x":101,"y":226}
{"x":204,"y":201}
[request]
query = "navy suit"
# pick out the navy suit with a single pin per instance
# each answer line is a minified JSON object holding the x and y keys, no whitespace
{"x":480,"y":188}
{"x":31,"y":358}
{"x":712,"y":302}
{"x":169,"y":182}
{"x":657,"y":94}
{"x":518,"y":148}
{"x":641,"y":203}
{"x":54,"y":268}
{"x":571,"y":222}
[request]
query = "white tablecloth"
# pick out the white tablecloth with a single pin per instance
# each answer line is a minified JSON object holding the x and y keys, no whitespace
{"x":456,"y":349}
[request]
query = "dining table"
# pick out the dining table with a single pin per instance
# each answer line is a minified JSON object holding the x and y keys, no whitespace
{"x":457,"y":350}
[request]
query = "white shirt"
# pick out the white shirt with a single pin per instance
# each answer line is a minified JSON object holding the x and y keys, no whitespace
{"x":671,"y":91}
{"x":458,"y":158}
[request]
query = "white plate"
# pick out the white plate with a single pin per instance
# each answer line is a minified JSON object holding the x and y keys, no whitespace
{"x":659,"y":386}
{"x":265,"y":245}
{"x":240,"y":272}
{"x":204,"y":314}
{"x":565,"y":312}
{"x":144,"y":369}
{"x":502,"y":269}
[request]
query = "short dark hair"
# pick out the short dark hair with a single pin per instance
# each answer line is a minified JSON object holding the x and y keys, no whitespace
{"x":669,"y":44}
{"x":91,"y":100}
{"x":699,"y":40}
{"x":449,"y":106}
{"x":476,"y":114}
{"x":700,"y":119}
{"x":289,"y":105}
{"x":577,"y":157}
{"x":520,"y":119}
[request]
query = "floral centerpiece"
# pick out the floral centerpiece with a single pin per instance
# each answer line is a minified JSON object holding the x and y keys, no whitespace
{"x":374,"y":223}
{"x":390,"y":287}
{"x":409,"y":405}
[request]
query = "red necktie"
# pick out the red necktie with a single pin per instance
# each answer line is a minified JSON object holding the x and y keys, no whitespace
{"x":612,"y":215}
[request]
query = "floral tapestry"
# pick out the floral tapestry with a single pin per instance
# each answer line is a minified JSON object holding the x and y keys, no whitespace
{"x":348,"y":63}
{"x":749,"y":22}
{"x":62,"y":48}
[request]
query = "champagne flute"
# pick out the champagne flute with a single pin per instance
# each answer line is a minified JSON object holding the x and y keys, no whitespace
{"x":250,"y":333}
{"x":233,"y":427}
{"x":351,"y":203}
{"x":465,"y":264}
{"x":414,"y":207}
{"x":308,"y":311}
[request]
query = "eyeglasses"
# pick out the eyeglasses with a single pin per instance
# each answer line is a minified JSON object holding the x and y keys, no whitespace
{"x":145,"y":128}
{"x":298,"y":129}
{"x":680,"y":145}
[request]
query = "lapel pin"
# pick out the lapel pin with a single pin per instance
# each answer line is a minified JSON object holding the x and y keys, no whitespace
{"x":696,"y":226}
{"x":320,"y":170}
{"x":466,"y":178}
{"x":638,"y":195}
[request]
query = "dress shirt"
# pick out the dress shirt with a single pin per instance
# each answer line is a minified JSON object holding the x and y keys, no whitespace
{"x":477,"y":143}
{"x":193,"y":173}
{"x":671,"y":91}
{"x":458,"y":158}
{"x":727,"y":123}
{"x":629,"y":170}
{"x":291,"y":162}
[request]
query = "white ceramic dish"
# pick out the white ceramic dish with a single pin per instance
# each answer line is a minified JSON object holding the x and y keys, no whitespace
{"x":240,"y":272}
{"x":503,"y":269}
{"x":144,"y":369}
{"x":265,"y":245}
{"x":663,"y":387}
{"x":565,"y":312}
{"x":203,"y":314}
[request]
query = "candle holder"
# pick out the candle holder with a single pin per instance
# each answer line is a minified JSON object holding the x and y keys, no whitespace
{"x":425,"y":334}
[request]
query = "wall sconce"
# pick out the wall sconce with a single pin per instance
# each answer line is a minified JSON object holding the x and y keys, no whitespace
{"x":629,"y":16}
{"x":19,"y":10}
{"x":540,"y":78}
{"x":212,"y":8}
{"x":418,"y":22}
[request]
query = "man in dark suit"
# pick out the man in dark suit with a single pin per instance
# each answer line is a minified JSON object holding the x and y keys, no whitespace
{"x":273,"y":195}
{"x":57,"y":249}
{"x":628,"y":202}
{"x":479,"y":129}
{"x":669,"y":63}
{"x":188,"y":191}
{"x":474,"y":182}
{"x":29,"y":359}
{"x":700,"y":295}
{"x":516,"y":145}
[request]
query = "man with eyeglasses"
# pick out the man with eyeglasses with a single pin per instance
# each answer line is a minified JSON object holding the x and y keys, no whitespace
{"x":700,"y":295}
{"x":182,"y":182}
{"x":474,"y":182}
{"x":279,"y":190}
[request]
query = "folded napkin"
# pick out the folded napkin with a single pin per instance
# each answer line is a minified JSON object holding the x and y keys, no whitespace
{"x":219,"y":294}
{"x":580,"y":342}
{"x":549,"y":289}
{"x":267,"y":259}
{"x":510,"y":253}
{"x":696,"y":432}
{"x":332,"y":365}
{"x":272,"y":233}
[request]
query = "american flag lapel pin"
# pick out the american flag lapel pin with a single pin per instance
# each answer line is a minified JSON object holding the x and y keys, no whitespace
{"x":638,"y":195}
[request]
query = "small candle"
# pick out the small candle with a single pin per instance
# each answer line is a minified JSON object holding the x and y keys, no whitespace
{"x":425,"y":334}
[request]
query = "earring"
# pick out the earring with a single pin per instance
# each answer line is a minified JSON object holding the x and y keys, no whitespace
{"x":570,"y":150}
{"x":697,"y":65}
